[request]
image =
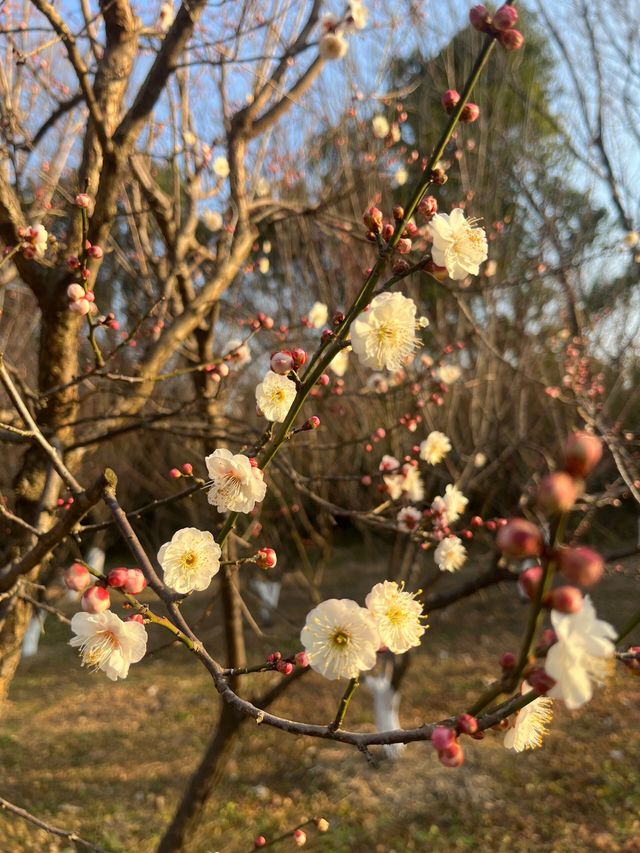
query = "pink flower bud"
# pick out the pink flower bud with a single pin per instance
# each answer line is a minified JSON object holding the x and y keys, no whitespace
{"x":73,"y":262}
{"x":582,"y":453}
{"x":450,"y":99}
{"x":274,"y":657}
{"x":580,"y":565}
{"x":281,"y":362}
{"x":135,"y":617}
{"x":480,"y":19}
{"x":77,"y":577}
{"x":519,"y":539}
{"x":400,"y":267}
{"x":452,"y":756}
{"x":467,"y":724}
{"x":505,"y":18}
{"x":404,"y":246}
{"x":300,"y":837}
{"x":565,"y":599}
{"x":540,"y":680}
{"x":175,"y":474}
{"x":442,"y":737}
{"x":470,"y":113}
{"x":508,"y":660}
{"x":95,"y":252}
{"x":557,"y":492}
{"x":75,"y":292}
{"x":187,"y":469}
{"x":428,"y":207}
{"x":530,"y":579}
{"x":266,"y":558}
{"x":83,"y":200}
{"x":388,"y":232}
{"x":511,"y":39}
{"x":82,"y":306}
{"x":285,"y":667}
{"x":373,"y":219}
{"x":260,"y":841}
{"x":311,"y":423}
{"x":95,"y":600}
{"x":135,"y":582}
{"x":302,"y":659}
{"x":323,"y":379}
{"x":118,"y":577}
{"x":299,"y":357}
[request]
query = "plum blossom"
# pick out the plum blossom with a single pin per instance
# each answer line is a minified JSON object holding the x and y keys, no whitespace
{"x":397,"y":615}
{"x":318,"y":315}
{"x":379,"y":126}
{"x":36,"y":237}
{"x":340,"y":639}
{"x":408,"y":519}
{"x":582,"y":655}
{"x":454,"y":502}
{"x":274,"y":396}
{"x":340,"y":363}
{"x":384,"y":335}
{"x":239,"y":352}
{"x":529,"y":727}
{"x":213,"y":220}
{"x":165,"y":18}
{"x":221,"y":167}
{"x":358,"y":14}
{"x":459,"y":244}
{"x":434,"y":448}
{"x":450,"y":555}
{"x":237,"y":485}
{"x":448,"y":373}
{"x":108,"y":643}
{"x":333,"y":46}
{"x":190,"y":560}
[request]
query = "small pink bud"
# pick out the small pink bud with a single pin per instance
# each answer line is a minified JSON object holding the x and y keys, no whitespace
{"x":274,"y":657}
{"x":83,"y":200}
{"x":580,"y":565}
{"x":77,"y":577}
{"x":82,"y":307}
{"x":73,"y":262}
{"x":175,"y":474}
{"x":404,"y":246}
{"x":118,"y":577}
{"x":480,"y":19}
{"x":187,"y":469}
{"x":442,"y":737}
{"x":508,"y":660}
{"x":302,"y":659}
{"x":400,"y":267}
{"x":505,"y":18}
{"x":511,"y":39}
{"x":260,"y":841}
{"x":311,"y":423}
{"x":452,"y":756}
{"x":540,"y":680}
{"x":281,"y":362}
{"x":470,"y":113}
{"x":557,"y":492}
{"x":519,"y":538}
{"x":373,"y":219}
{"x":266,"y":558}
{"x":530,"y":579}
{"x":387,"y":232}
{"x":323,"y":379}
{"x":467,"y":724}
{"x":300,"y":837}
{"x":95,"y":600}
{"x":75,"y":292}
{"x":428,"y":207}
{"x":582,"y":453}
{"x":285,"y":667}
{"x":299,"y":357}
{"x":565,"y":599}
{"x":135,"y":617}
{"x":450,"y":99}
{"x":135,"y":582}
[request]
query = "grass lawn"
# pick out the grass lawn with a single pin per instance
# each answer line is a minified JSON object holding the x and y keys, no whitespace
{"x":111,"y":760}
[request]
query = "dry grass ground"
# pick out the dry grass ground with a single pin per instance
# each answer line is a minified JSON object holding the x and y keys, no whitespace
{"x":111,"y":760}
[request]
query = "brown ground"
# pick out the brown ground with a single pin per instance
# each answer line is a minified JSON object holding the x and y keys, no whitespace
{"x":110,"y":760}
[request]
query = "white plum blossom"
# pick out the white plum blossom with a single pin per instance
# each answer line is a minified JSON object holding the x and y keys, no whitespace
{"x":448,"y":373}
{"x":459,"y":244}
{"x":264,"y":265}
{"x":239,"y":351}
{"x":221,"y":167}
{"x":340,"y":639}
{"x":379,"y":126}
{"x":408,"y":519}
{"x":583,"y":654}
{"x":165,"y":18}
{"x":401,"y":176}
{"x":318,"y":315}
{"x":389,"y":463}
{"x":190,"y":560}
{"x":454,"y":502}
{"x":413,"y":486}
{"x":450,"y":555}
{"x":406,"y":481}
{"x":333,"y":46}
{"x":108,"y":643}
{"x":397,"y":616}
{"x":434,"y":448}
{"x":213,"y":220}
{"x":378,"y":383}
{"x":529,"y":727}
{"x":37,"y":237}
{"x":384,"y":335}
{"x":358,"y":14}
{"x":340,"y":362}
{"x":237,"y":485}
{"x":274,"y":396}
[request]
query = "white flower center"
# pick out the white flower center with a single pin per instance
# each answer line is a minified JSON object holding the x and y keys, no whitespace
{"x":96,"y":650}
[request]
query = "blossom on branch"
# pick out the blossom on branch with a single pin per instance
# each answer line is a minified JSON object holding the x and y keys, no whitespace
{"x":237,"y":484}
{"x":384,"y":335}
{"x":190,"y":560}
{"x":397,"y":615}
{"x":450,"y":555}
{"x":274,"y":396}
{"x":408,"y":519}
{"x":459,"y":244}
{"x":434,"y":448}
{"x":530,"y":724}
{"x":582,"y":655}
{"x":108,"y":643}
{"x":340,"y":639}
{"x":454,"y":502}
{"x":318,"y":315}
